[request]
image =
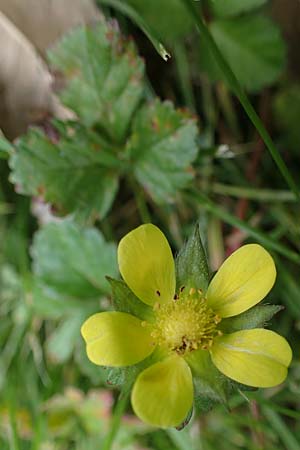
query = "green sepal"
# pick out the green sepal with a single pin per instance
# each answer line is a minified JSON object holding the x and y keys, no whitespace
{"x":234,"y":386}
{"x":191,"y":264}
{"x":124,"y":300}
{"x":256,"y":317}
{"x":210,"y":386}
{"x":118,"y":376}
{"x":205,"y":397}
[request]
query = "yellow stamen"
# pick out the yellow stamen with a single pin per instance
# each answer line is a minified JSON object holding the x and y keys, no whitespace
{"x":186,"y":324}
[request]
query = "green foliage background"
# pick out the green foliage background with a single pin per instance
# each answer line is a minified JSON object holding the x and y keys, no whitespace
{"x":151,"y":141}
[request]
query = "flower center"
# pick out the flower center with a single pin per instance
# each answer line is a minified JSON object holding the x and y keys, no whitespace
{"x":186,"y":323}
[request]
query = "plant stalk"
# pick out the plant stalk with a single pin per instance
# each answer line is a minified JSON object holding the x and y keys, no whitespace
{"x":234,"y":84}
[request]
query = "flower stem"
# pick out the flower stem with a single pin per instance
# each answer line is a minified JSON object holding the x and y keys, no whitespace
{"x":117,"y":416}
{"x":239,"y":92}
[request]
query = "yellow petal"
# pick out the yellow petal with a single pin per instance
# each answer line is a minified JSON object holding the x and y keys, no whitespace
{"x":116,"y":339}
{"x":147,"y":265}
{"x":255,"y":357}
{"x":163,"y":393}
{"x":242,"y":281}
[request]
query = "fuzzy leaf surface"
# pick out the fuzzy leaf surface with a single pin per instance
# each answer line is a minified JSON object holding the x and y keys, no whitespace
{"x":191,"y":264}
{"x":161,"y":148}
{"x":256,"y":317}
{"x":73,"y":262}
{"x":74,"y":171}
{"x":124,"y":300}
{"x":104,"y":77}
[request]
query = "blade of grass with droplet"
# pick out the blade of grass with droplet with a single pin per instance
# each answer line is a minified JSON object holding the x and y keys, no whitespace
{"x":133,"y":15}
{"x":240,"y":93}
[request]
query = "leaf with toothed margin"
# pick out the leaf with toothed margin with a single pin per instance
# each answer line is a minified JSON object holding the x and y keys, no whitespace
{"x":191,"y":264}
{"x":253,"y":47}
{"x":77,"y":172}
{"x":104,"y":74}
{"x":162,"y":148}
{"x":73,"y":262}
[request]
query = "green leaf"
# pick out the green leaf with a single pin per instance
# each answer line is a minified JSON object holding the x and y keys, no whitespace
{"x":74,"y":173}
{"x":6,"y":148}
{"x":124,"y":300}
{"x":191,"y":264}
{"x":73,"y":262}
{"x":104,"y":74}
{"x":256,"y":317}
{"x":61,"y":342}
{"x":157,"y":12}
{"x":253,"y":47}
{"x":50,"y":304}
{"x":162,"y":148}
{"x":287,"y":113}
{"x":235,"y":7}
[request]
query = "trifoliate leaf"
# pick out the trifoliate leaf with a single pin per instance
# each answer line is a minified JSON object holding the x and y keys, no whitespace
{"x":162,"y":148}
{"x":287,"y":113}
{"x":73,"y":262}
{"x":76,"y":172}
{"x":156,"y":12}
{"x":124,"y":300}
{"x":256,"y":317}
{"x":252,"y":46}
{"x":191,"y":264}
{"x":104,"y":77}
{"x":234,"y":7}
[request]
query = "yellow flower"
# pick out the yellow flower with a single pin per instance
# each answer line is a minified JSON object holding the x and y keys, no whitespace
{"x":185,"y":326}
